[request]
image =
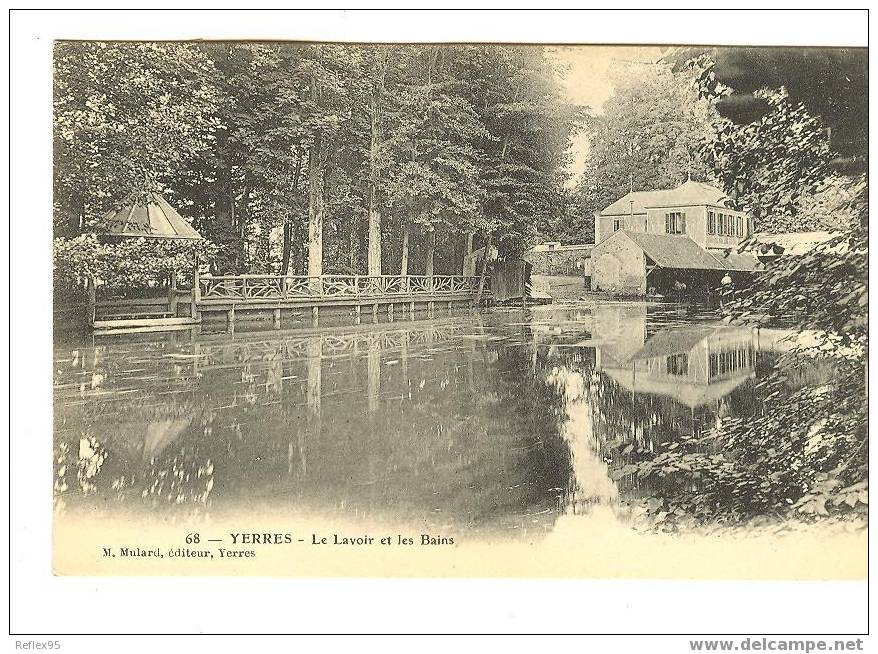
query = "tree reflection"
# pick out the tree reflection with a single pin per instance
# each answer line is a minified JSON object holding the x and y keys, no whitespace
{"x":498,"y":425}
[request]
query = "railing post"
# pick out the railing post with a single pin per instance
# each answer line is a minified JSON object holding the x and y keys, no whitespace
{"x":172,"y":294}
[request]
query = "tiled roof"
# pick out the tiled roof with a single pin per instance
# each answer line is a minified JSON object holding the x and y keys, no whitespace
{"x":675,"y":251}
{"x":683,"y":253}
{"x":737,"y":260}
{"x":641,"y":199}
{"x":689,"y":193}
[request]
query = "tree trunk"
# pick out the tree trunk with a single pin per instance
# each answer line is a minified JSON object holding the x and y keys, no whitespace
{"x":354,"y":244}
{"x":288,"y":225}
{"x":374,"y":254}
{"x":404,"y":261}
{"x":315,"y":208}
{"x":469,"y":250}
{"x":287,"y":251}
{"x":298,"y":250}
{"x":431,"y":249}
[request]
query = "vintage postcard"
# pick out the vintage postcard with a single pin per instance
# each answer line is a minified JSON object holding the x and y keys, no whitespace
{"x":459,"y":310}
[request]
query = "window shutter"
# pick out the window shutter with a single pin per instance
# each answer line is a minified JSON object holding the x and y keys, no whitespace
{"x":682,"y":223}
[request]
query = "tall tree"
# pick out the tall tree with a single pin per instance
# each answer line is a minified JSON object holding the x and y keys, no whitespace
{"x":327,"y":70}
{"x":525,"y":153}
{"x":378,"y":74}
{"x":126,"y":116}
{"x":432,"y":176}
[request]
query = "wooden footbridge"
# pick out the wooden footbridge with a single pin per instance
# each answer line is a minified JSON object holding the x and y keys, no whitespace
{"x":230,"y":298}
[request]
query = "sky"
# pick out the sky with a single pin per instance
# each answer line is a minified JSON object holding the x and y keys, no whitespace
{"x":588,"y":81}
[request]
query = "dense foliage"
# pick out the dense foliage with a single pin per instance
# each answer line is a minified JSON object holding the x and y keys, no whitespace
{"x":772,"y":165}
{"x":297,"y":157}
{"x":125,"y":115}
{"x":134,"y":262}
{"x":806,"y":450}
{"x":803,"y":453}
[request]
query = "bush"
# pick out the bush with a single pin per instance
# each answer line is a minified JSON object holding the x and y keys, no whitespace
{"x":130,"y":262}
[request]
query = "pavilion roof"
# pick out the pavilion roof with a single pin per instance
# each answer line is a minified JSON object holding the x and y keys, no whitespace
{"x":148,"y":216}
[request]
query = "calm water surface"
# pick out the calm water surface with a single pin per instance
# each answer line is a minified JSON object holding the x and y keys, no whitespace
{"x":496,"y":423}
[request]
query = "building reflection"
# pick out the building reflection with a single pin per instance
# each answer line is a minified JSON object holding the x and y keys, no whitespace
{"x":694,"y":366}
{"x":630,"y":392}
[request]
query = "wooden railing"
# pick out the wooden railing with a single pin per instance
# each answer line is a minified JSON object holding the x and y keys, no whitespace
{"x":243,"y":288}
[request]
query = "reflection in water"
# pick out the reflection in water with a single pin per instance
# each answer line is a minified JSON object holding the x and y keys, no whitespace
{"x":494,"y":424}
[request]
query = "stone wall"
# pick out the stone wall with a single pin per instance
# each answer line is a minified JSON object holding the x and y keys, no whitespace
{"x":567,"y":260}
{"x":618,"y":266}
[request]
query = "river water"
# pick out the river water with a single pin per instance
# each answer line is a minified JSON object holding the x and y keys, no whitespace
{"x":494,"y":424}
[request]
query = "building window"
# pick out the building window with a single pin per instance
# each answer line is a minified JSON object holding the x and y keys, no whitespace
{"x":675,"y":222}
{"x":678,"y":365}
{"x":617,"y":224}
{"x":729,"y":362}
{"x":724,"y":224}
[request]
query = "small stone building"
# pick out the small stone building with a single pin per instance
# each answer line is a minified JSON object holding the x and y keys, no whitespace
{"x":635,"y":263}
{"x":669,"y":241}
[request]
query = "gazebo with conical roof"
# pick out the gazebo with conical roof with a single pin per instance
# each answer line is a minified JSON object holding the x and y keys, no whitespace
{"x":149,"y":216}
{"x":145,"y":215}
